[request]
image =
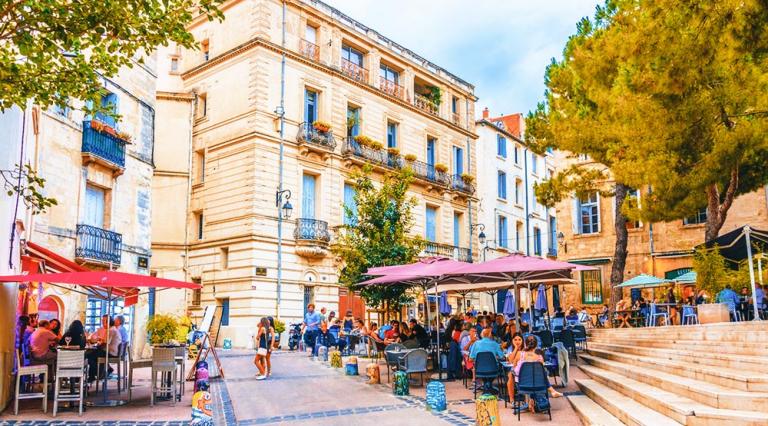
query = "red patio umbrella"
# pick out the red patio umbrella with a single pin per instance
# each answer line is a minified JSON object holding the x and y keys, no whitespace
{"x":108,"y":285}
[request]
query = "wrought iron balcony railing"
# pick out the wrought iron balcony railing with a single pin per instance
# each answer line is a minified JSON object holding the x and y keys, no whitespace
{"x":425,"y":104}
{"x":457,"y":253}
{"x":309,"y":50}
{"x":311,"y":230}
{"x":382,"y":157}
{"x":308,"y":133}
{"x":354,"y":71}
{"x":456,"y":118}
{"x":98,"y":245}
{"x":391,"y":88}
{"x":552,"y":251}
{"x":428,"y":172}
{"x":103,"y":145}
{"x":459,"y":184}
{"x":378,"y":156}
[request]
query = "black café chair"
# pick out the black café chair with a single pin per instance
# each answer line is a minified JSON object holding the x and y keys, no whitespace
{"x":531,"y":380}
{"x":568,"y":340}
{"x":392,"y":357}
{"x":546,"y":338}
{"x":580,"y":336}
{"x":486,"y":369}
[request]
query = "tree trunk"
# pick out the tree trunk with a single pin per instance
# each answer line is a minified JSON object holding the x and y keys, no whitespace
{"x":620,"y":250}
{"x":718,"y":211}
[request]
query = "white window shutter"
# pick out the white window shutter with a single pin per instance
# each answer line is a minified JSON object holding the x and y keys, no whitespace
{"x":599,"y":215}
{"x":575,"y":216}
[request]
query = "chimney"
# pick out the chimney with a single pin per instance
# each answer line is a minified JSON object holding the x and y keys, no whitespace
{"x":486,"y":113}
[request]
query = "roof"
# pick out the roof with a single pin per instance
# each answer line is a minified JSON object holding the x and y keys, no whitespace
{"x":509,"y":123}
{"x":484,"y":121}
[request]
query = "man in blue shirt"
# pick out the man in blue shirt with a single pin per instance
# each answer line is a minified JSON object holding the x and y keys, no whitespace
{"x":312,"y":321}
{"x":760,"y":296}
{"x":729,"y":297}
{"x":486,"y":344}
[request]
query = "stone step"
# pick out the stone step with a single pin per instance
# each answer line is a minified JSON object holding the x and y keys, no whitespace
{"x":723,"y":326}
{"x":707,"y":393}
{"x":592,"y":414}
{"x":750,"y":349}
{"x":737,"y":379}
{"x":674,"y":406}
{"x":622,"y":407}
{"x":688,"y":333}
{"x":739,"y":362}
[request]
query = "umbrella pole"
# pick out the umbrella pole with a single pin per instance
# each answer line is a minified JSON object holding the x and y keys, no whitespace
{"x":107,"y":402}
{"x":517,"y":305}
{"x":751,"y":273}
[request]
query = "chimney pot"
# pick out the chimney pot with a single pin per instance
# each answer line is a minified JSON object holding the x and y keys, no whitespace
{"x":486,"y":113}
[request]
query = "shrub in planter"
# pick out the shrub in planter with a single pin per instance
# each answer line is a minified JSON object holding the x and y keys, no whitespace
{"x":363,"y":140}
{"x":440,"y":167}
{"x":410,"y":157}
{"x":467,"y":178}
{"x":377,"y":145}
{"x":321,"y":126}
{"x":162,"y":329}
{"x":393,"y":151}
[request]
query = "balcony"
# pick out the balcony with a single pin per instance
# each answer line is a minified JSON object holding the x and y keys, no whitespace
{"x":309,"y":50}
{"x":458,"y":184}
{"x":314,"y":139}
{"x":312,"y":237}
{"x":391,"y":88}
{"x":427,"y":172}
{"x":373,"y":155}
{"x":552,"y":251}
{"x":456,"y":119}
{"x":461,"y":254}
{"x":354,"y":71}
{"x":104,"y":145}
{"x":96,"y":245}
{"x":425,"y":104}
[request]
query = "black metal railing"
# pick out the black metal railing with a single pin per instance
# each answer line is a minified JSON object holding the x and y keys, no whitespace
{"x":311,"y":230}
{"x":461,"y":254}
{"x":458,"y":183}
{"x":552,"y":251}
{"x":428,"y":172}
{"x":382,"y":157}
{"x":308,"y":133}
{"x":379,"y":156}
{"x":103,"y":145}
{"x":98,"y":244}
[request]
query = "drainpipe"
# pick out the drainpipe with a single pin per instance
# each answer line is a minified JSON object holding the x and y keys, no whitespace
{"x":185,"y":266}
{"x":527,"y":214}
{"x":469,"y":170}
{"x":281,"y":113}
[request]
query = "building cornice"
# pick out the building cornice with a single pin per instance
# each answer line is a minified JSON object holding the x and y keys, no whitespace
{"x":484,"y":122}
{"x":175,"y":96}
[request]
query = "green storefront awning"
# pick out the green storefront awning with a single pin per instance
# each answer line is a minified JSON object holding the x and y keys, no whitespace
{"x":597,"y":261}
{"x":644,"y":281}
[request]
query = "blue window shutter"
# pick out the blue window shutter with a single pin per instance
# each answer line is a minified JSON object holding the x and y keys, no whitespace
{"x":456,"y":229}
{"x":225,"y":311}
{"x":431,"y":152}
{"x":503,"y":231}
{"x":458,"y":158}
{"x":501,"y":146}
{"x":310,"y":106}
{"x":391,"y":135}
{"x":151,"y":302}
{"x":308,"y":197}
{"x":431,"y":232}
{"x":349,"y":202}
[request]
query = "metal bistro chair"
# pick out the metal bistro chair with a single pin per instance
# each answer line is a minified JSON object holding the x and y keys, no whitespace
{"x":181,"y":355}
{"x":132,"y":365}
{"x":392,"y":358}
{"x":414,"y":361}
{"x":689,"y":315}
{"x":487,"y":369}
{"x":656,"y":313}
{"x":580,"y":336}
{"x":546,"y":338}
{"x":119,"y":361}
{"x":532,"y":380}
{"x":163,"y":362}
{"x":33,"y":371}
{"x":568,"y":339}
{"x":70,"y":365}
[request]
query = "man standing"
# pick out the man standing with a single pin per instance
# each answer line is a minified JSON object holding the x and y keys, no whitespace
{"x":312,"y":322}
{"x":120,"y":326}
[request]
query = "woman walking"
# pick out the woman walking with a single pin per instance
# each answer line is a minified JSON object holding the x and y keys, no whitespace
{"x":262,"y":337}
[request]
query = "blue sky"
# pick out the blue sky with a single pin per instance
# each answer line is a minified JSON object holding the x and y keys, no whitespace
{"x":501,"y":46}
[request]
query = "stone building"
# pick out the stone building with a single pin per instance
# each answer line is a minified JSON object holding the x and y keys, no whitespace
{"x":661,"y":249}
{"x":342,"y":81}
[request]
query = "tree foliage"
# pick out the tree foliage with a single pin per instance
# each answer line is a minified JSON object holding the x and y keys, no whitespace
{"x":378,"y":235}
{"x":52,"y":51}
{"x":24,"y":181}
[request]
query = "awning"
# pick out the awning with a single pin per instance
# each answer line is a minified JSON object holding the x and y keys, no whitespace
{"x":733,"y":245}
{"x":686,"y":278}
{"x":596,"y":261}
{"x":643,"y":281}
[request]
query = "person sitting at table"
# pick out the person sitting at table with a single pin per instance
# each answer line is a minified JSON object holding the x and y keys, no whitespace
{"x":408,"y":337}
{"x":559,"y":313}
{"x":120,"y":326}
{"x":393,"y":334}
{"x":485,"y":344}
{"x":730,"y":298}
{"x":373,"y":334}
{"x":420,"y":333}
{"x":530,"y":354}
{"x":572,"y":316}
{"x":55,"y":326}
{"x":41,"y":343}
{"x":744,"y":304}
{"x":513,"y":357}
{"x":76,"y":334}
{"x":622,"y":315}
{"x":324,"y":337}
{"x":349,"y":321}
{"x":107,"y":330}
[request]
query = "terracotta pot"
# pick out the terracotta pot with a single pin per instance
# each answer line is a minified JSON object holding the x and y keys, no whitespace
{"x":713,"y":312}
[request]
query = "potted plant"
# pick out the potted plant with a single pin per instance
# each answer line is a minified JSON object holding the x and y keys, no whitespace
{"x":363,"y":140}
{"x":410,"y":157}
{"x":162,"y":329}
{"x":124,"y":136}
{"x":440,"y":167}
{"x":435,"y":95}
{"x":467,"y":178}
{"x":321,"y":126}
{"x":393,"y":152}
{"x":279,"y":330}
{"x":711,"y":276}
{"x":377,"y":145}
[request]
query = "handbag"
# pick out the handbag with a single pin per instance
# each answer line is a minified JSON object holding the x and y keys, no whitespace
{"x":262,"y":351}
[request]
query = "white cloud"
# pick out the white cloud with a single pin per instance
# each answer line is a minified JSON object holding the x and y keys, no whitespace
{"x":501,"y":46}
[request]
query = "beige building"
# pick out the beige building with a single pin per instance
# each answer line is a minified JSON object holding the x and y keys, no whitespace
{"x":661,"y":249}
{"x":343,"y":81}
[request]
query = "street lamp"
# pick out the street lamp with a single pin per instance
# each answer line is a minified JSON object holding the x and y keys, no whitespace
{"x":481,"y":235}
{"x":561,"y":241}
{"x":287,"y":207}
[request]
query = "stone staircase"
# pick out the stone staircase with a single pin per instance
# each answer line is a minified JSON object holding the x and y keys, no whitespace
{"x":713,"y":374}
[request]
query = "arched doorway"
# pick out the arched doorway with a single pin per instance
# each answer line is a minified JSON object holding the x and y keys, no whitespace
{"x":49,"y":308}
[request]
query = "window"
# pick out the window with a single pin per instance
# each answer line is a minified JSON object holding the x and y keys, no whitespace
{"x":633,"y":198}
{"x":455,"y":105}
{"x":96,"y":307}
{"x":431,"y":224}
{"x":202,"y":105}
{"x":109,"y":105}
{"x":199,"y":223}
{"x":502,"y":185}
{"x":61,"y":110}
{"x":353,"y":121}
{"x":589,"y":214}
{"x":518,"y":190}
{"x":533,"y":199}
{"x":197,"y":294}
{"x":458,"y":161}
{"x":309,"y":296}
{"x":553,"y":235}
{"x":95,"y":202}
{"x":205,"y":47}
{"x":310,"y":34}
{"x":536,"y":241}
{"x":224,"y":257}
{"x":310,"y":106}
{"x":698,"y":218}
{"x":534,"y":164}
{"x":174,"y":64}
{"x":501,"y":146}
{"x":308,"y":196}
{"x":431,"y":153}
{"x":225,"y":311}
{"x":352,"y":55}
{"x":591,"y":287}
{"x":517,"y":154}
{"x":519,"y":237}
{"x":391,"y":134}
{"x":350,"y":205}
{"x":389,"y":74}
{"x":503,"y":236}
{"x":200,"y":166}
{"x":457,"y":229}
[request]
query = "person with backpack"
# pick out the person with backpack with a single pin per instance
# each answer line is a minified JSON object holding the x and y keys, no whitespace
{"x":532,"y":354}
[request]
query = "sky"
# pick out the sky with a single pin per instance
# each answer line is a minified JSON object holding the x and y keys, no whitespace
{"x":500,"y":46}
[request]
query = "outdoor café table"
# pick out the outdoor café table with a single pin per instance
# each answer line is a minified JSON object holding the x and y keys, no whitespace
{"x":669,"y":307}
{"x":623,"y":317}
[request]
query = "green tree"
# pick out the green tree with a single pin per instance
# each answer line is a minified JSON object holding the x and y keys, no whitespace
{"x":52,"y":51}
{"x":378,"y":235}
